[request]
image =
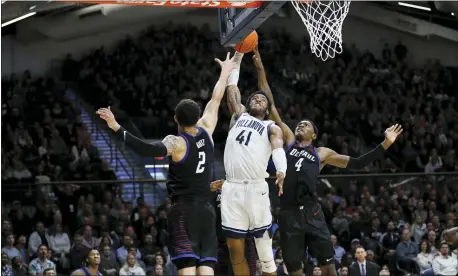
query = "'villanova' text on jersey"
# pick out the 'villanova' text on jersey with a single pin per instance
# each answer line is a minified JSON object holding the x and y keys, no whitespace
{"x":248,"y":149}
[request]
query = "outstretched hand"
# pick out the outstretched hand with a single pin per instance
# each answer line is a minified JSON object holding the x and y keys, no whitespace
{"x":392,"y":133}
{"x":257,"y":58}
{"x":227,"y":65}
{"x":108,"y":116}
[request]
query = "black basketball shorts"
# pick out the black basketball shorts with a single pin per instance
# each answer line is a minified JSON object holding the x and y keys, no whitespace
{"x":192,"y":232}
{"x":301,"y":228}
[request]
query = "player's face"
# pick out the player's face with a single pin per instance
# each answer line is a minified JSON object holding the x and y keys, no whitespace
{"x":258,"y":104}
{"x":94,"y":257}
{"x":304,"y":131}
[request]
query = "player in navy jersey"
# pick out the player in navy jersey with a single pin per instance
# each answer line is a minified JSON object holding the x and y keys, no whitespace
{"x":191,"y":222}
{"x":301,"y":219}
{"x":92,"y":265}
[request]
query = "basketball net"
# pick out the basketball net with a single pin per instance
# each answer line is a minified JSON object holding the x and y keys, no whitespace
{"x":323,"y":20}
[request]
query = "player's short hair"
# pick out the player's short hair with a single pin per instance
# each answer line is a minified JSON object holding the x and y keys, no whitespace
{"x":187,"y":113}
{"x":269,"y":103}
{"x":315,"y":129}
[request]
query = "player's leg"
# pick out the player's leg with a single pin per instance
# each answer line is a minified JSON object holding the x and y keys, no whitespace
{"x":235,"y":223}
{"x":207,"y":240}
{"x":251,"y":255}
{"x":319,"y":240}
{"x":262,"y":220}
{"x":292,"y":239}
{"x":181,"y":228}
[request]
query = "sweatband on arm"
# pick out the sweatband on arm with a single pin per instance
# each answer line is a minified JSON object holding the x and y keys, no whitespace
{"x":233,"y":78}
{"x":366,"y":159}
{"x":279,"y":159}
{"x":156,"y":149}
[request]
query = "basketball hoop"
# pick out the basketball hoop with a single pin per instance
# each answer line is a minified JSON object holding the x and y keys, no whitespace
{"x":323,"y":20}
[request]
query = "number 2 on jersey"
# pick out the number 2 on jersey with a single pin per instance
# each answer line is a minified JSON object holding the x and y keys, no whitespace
{"x":201,"y":164}
{"x":299,"y":164}
{"x":243,"y":138}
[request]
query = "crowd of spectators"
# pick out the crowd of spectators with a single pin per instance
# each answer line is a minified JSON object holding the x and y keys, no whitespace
{"x":146,"y":76}
{"x":347,"y":96}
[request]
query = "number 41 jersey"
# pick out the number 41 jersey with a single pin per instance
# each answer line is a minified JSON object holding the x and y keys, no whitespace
{"x":248,"y":149}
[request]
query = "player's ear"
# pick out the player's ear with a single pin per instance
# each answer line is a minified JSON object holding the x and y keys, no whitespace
{"x":175,"y":118}
{"x":313,"y":136}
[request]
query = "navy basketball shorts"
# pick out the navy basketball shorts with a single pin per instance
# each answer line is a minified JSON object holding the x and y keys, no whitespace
{"x":192,"y":232}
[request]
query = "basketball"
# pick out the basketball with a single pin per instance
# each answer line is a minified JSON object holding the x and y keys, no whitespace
{"x":248,"y":43}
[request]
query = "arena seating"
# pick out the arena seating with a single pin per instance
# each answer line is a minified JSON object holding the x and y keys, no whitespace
{"x":145,"y":77}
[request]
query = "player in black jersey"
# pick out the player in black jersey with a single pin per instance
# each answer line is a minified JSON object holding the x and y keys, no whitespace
{"x":191,"y":222}
{"x":301,"y":219}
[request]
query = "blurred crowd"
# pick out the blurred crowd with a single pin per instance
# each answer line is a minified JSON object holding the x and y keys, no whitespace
{"x":351,"y":99}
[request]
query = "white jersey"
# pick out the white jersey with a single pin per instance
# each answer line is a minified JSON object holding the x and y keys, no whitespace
{"x":248,"y":149}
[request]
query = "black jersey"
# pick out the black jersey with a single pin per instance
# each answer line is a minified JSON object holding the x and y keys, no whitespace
{"x":300,"y":185}
{"x":190,"y":178}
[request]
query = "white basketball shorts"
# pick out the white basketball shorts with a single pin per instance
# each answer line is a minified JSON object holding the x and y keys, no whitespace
{"x":245,"y":208}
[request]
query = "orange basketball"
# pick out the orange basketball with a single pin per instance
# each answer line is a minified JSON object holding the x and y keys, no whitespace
{"x":248,"y":43}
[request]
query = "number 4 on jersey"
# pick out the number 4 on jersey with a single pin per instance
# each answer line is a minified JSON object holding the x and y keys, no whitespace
{"x":243,"y":138}
{"x":299,"y":164}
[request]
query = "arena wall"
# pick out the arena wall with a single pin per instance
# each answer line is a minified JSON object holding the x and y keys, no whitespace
{"x":18,"y":56}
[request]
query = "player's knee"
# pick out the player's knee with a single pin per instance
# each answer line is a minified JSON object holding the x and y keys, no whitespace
{"x":329,"y":270}
{"x":265,"y":253}
{"x":293,"y":265}
{"x":236,"y":250}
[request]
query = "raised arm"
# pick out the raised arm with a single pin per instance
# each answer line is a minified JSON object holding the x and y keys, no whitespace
{"x":171,"y":145}
{"x":278,"y":155}
{"x":263,"y":84}
{"x":234,"y":99}
{"x":330,"y":157}
{"x":209,"y":118}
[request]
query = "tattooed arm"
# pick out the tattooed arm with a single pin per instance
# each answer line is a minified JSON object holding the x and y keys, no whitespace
{"x":174,"y":146}
{"x":234,"y":99}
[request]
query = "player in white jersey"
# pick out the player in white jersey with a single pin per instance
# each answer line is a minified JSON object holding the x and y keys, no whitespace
{"x":245,"y":203}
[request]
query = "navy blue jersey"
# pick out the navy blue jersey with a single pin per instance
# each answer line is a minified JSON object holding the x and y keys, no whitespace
{"x":300,"y":185}
{"x":191,"y":176}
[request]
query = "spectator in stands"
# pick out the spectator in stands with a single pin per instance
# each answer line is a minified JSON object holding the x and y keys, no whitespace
{"x":131,"y":267}
{"x":37,"y":238}
{"x":418,"y":229}
{"x":19,"y":269}
{"x":362,"y":266}
{"x":78,"y":252}
{"x":108,"y":263}
{"x":88,"y":239}
{"x":339,"y":250}
{"x":343,"y":271}
{"x":425,"y":257}
{"x":444,"y":264}
{"x":9,"y":249}
{"x":21,"y":246}
{"x":406,"y":252}
{"x":121,"y":253}
{"x":6,"y":269}
{"x":38,"y":265}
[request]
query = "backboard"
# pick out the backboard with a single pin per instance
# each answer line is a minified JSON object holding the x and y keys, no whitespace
{"x":236,"y":23}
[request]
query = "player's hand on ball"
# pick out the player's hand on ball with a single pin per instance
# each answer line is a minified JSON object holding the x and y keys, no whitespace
{"x":216,"y":185}
{"x":227,"y":65}
{"x":107,"y":115}
{"x":257,"y":58}
{"x":392,"y":133}
{"x":279,"y":182}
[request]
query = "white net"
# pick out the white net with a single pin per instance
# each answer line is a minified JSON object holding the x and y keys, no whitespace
{"x":323,"y":20}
